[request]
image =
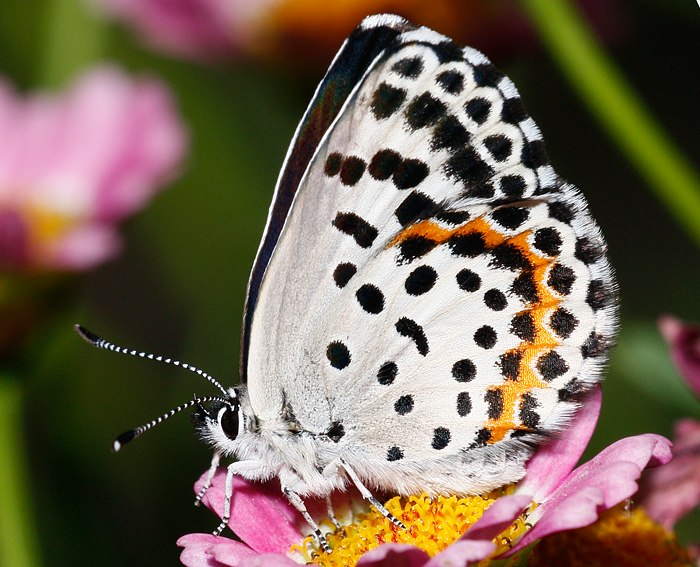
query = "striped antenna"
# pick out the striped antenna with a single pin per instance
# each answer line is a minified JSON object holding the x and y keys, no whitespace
{"x":96,"y":341}
{"x":132,"y":434}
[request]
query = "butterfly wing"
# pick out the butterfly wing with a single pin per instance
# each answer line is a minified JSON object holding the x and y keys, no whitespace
{"x":355,"y":56}
{"x":436,"y":289}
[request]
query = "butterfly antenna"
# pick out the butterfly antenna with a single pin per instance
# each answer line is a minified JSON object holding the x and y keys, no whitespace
{"x":96,"y":341}
{"x":132,"y":434}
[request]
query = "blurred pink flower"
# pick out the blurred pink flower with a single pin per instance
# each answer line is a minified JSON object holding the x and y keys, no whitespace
{"x":73,"y":165}
{"x":195,"y":29}
{"x":684,"y":342}
{"x":671,"y":492}
{"x":568,"y":498}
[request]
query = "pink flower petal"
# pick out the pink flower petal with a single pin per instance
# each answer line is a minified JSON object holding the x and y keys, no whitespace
{"x":84,"y":247}
{"x":260,"y":515}
{"x":576,"y":511}
{"x":598,"y":485}
{"x":684,"y":341}
{"x":394,"y":555}
{"x":268,"y":560}
{"x":462,"y":553}
{"x":670,"y":492}
{"x":502,"y":513}
{"x":207,"y":550}
{"x":197,"y":29}
{"x":553,"y":462}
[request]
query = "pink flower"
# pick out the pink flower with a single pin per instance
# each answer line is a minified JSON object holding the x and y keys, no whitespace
{"x":195,"y":29}
{"x":567,"y":498}
{"x":684,"y":343}
{"x":73,"y":165}
{"x":671,"y":492}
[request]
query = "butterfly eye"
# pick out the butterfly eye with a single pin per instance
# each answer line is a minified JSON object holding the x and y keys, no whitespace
{"x":228,"y":420}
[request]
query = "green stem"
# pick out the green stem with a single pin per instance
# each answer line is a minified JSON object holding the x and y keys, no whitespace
{"x":614,"y":103}
{"x":18,"y":546}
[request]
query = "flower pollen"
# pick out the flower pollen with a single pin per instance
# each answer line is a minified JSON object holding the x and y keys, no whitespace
{"x":433,"y":524}
{"x":621,"y":537}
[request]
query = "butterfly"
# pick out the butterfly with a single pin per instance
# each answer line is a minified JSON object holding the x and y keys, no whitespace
{"x":430,"y":300}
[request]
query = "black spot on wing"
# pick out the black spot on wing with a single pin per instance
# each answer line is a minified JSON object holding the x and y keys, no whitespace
{"x":464,"y":370}
{"x":421,"y":280}
{"x":499,"y":146}
{"x":409,"y":173}
{"x":387,"y":373}
{"x":478,"y":109}
{"x":494,"y":403}
{"x":528,"y":416}
{"x":487,"y":75}
{"x":370,"y":298}
{"x":466,"y":166}
{"x":449,"y":134}
{"x":394,"y":454}
{"x":451,"y":81}
{"x":417,"y":206}
{"x":383,"y":164}
{"x":386,"y":100}
{"x":510,"y":364}
{"x":409,"y":67}
{"x":415,"y":247}
{"x":409,"y":328}
{"x":343,"y":272}
{"x":357,"y":227}
{"x":563,"y":322}
{"x":548,"y":240}
{"x":351,"y":170}
{"x":424,"y":110}
{"x":468,"y":280}
{"x":523,"y":326}
{"x":510,"y":217}
{"x":441,"y":438}
{"x":534,"y":154}
{"x":512,"y":185}
{"x":333,"y":163}
{"x":561,"y":279}
{"x":467,"y":245}
{"x":513,"y":111}
{"x":338,"y":355}
{"x":464,"y":404}
{"x":552,"y":365}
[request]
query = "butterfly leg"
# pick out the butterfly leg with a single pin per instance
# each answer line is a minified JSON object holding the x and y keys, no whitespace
{"x":252,"y":470}
{"x":210,"y":475}
{"x":367,"y":495}
{"x":228,"y":492}
{"x":331,"y":513}
{"x":298,"y":503}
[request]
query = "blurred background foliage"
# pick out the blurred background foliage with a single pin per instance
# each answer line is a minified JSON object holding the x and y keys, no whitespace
{"x":178,"y":287}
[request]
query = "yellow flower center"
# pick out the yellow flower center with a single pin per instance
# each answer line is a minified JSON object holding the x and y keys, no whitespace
{"x":433,"y":524}
{"x":46,"y":224}
{"x":621,"y":537}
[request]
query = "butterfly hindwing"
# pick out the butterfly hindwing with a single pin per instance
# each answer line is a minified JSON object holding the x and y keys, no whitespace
{"x":436,"y":290}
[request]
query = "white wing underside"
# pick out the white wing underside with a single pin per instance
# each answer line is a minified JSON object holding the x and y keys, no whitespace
{"x":303,"y":310}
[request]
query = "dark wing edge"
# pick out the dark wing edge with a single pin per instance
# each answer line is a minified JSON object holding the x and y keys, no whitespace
{"x":357,"y":54}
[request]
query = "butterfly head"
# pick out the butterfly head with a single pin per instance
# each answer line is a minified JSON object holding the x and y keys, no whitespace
{"x":222,"y":420}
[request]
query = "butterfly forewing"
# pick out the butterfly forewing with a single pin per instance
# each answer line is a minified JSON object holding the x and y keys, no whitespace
{"x":436,"y":288}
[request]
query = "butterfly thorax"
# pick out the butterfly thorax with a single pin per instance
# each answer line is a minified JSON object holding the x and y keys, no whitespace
{"x":304,"y":460}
